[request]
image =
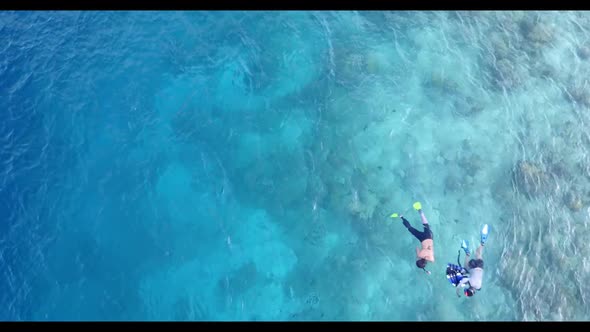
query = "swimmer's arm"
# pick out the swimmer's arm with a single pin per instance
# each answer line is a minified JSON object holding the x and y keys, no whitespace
{"x":460,"y":286}
{"x":466,"y":263}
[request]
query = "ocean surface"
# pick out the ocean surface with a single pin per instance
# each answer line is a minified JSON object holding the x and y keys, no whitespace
{"x":242,"y":166}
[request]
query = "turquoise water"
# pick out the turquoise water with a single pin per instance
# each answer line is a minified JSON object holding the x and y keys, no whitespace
{"x":243,"y":165}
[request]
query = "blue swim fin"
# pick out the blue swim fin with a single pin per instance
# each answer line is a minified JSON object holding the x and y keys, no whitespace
{"x":484,"y":234}
{"x":465,"y":247}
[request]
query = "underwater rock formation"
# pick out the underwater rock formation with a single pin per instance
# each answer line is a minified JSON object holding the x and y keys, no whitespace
{"x":543,"y":70}
{"x":376,"y":62}
{"x":536,"y":34}
{"x":453,"y":183}
{"x":514,"y":49}
{"x":316,"y":233}
{"x":519,"y":271}
{"x":579,"y":94}
{"x":467,"y":106}
{"x":536,"y":31}
{"x":241,"y":280}
{"x":505,"y":74}
{"x":471,"y":164}
{"x":499,"y":46}
{"x":559,"y":247}
{"x":189,"y":308}
{"x":530,"y":178}
{"x":573,"y":200}
{"x":501,"y":55}
{"x":363,"y":205}
{"x":583,"y":52}
{"x":348,"y":65}
{"x":442,"y":82}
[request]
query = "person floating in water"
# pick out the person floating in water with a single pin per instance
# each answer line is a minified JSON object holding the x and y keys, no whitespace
{"x":426,"y":253}
{"x":473,"y":283}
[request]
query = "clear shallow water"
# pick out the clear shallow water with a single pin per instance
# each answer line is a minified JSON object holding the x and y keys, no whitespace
{"x":243,"y":165}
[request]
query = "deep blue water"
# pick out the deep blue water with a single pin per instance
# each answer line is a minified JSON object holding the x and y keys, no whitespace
{"x":243,"y":165}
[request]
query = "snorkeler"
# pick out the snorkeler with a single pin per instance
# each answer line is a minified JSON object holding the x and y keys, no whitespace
{"x":426,"y":253}
{"x":472,"y":283}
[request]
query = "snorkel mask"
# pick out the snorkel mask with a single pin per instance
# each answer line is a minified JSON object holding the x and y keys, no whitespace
{"x":469,"y":292}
